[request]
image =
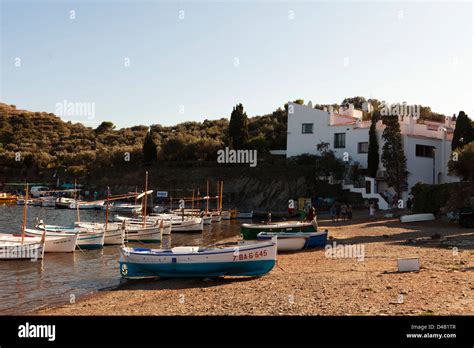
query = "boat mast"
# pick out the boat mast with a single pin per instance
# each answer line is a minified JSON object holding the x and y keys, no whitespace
{"x":107,"y":209}
{"x":207,"y":198}
{"x":24,"y":215}
{"x":144,"y":199}
{"x":217,"y":197}
{"x":222,"y":190}
{"x":77,"y":202}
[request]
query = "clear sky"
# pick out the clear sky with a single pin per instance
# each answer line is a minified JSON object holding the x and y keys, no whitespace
{"x":259,"y":53}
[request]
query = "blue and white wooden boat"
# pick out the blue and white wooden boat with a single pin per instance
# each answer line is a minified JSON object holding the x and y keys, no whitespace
{"x":254,"y":259}
{"x":292,"y":241}
{"x":317,"y":239}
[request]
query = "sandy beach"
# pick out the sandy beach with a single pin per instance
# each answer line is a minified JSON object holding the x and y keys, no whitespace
{"x":309,"y":283}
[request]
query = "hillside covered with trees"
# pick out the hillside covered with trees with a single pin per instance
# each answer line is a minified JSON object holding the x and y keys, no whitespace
{"x":42,"y":141}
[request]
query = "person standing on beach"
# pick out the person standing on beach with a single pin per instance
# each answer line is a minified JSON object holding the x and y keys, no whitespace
{"x":372,"y":210}
{"x":338,"y":211}
{"x":310,"y":214}
{"x":302,"y":215}
{"x":333,"y":212}
{"x":409,"y":204}
{"x":349,"y":212}
{"x":344,"y":212}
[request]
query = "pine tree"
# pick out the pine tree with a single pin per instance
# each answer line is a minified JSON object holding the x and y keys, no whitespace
{"x":393,"y":156}
{"x":373,"y":157}
{"x":463,"y":132}
{"x":238,"y":128}
{"x":150,"y":153}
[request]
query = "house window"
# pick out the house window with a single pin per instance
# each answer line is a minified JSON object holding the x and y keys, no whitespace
{"x":339,"y":140}
{"x":363,"y":147}
{"x":307,"y":128}
{"x":424,"y":151}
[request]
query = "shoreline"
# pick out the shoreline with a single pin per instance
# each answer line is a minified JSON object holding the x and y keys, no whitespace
{"x":309,"y":283}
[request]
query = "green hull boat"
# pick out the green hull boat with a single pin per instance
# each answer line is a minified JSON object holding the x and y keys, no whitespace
{"x":250,"y":231}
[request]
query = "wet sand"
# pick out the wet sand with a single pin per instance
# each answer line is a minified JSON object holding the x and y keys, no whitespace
{"x":309,"y":283}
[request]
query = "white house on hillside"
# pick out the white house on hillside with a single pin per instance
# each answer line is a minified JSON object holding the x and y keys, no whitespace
{"x":346,"y":133}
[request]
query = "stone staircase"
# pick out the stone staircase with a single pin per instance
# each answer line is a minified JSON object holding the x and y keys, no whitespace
{"x":382,"y":204}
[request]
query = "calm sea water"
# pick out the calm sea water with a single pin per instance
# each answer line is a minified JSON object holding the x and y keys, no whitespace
{"x":27,"y":285}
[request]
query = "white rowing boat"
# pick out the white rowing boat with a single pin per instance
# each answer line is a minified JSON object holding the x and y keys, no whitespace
{"x":86,"y":240}
{"x":13,"y":250}
{"x":416,"y":217}
{"x":53,"y":244}
{"x":244,"y":215}
{"x":225,"y":215}
{"x":207,"y":220}
{"x":216,"y":217}
{"x":135,"y":233}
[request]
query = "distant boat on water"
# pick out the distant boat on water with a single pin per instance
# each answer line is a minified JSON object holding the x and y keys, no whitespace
{"x":244,"y":215}
{"x":53,"y":244}
{"x":7,"y":197}
{"x":86,"y":240}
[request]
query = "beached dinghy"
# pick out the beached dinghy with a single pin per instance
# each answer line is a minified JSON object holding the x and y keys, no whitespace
{"x":286,"y":241}
{"x":246,"y":260}
{"x":417,"y":217}
{"x":65,"y":244}
{"x":291,"y":241}
{"x":250,"y":231}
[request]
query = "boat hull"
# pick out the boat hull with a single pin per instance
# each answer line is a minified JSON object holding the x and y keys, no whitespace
{"x":17,"y":251}
{"x":114,"y":237}
{"x":144,"y":235}
{"x":85,"y":240}
{"x":63,"y":244}
{"x":288,"y":243}
{"x":417,"y":217}
{"x":216,"y":218}
{"x":254,"y":268}
{"x":317,"y":240}
{"x":188,"y":226}
{"x":244,"y":215}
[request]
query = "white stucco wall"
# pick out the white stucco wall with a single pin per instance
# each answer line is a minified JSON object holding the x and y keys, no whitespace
{"x":298,"y":143}
{"x":420,"y":168}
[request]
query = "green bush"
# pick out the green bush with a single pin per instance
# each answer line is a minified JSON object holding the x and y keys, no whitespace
{"x":430,"y":198}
